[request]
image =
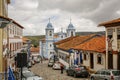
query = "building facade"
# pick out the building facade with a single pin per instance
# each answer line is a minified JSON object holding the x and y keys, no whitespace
{"x":46,"y":46}
{"x":10,"y":42}
{"x":112,"y":43}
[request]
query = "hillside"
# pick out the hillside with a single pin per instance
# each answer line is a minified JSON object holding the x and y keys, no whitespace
{"x":35,"y":39}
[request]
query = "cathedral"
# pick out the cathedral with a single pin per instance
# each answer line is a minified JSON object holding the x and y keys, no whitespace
{"x":46,"y":45}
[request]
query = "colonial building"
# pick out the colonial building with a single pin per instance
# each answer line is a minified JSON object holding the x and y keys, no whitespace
{"x":10,"y":41}
{"x":4,"y":7}
{"x":112,"y":43}
{"x":65,"y":51}
{"x":92,"y":53}
{"x":46,"y":45}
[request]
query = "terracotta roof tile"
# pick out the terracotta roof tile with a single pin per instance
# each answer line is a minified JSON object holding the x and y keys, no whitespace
{"x":110,"y":23}
{"x":95,"y":44}
{"x":24,"y":39}
{"x":73,"y":42}
{"x":34,"y":49}
{"x":9,"y":19}
{"x":64,"y":40}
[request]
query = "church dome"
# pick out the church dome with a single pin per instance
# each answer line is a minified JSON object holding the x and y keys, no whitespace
{"x":49,"y":25}
{"x":70,"y":26}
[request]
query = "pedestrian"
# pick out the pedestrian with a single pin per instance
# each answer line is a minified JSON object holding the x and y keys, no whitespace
{"x":62,"y":67}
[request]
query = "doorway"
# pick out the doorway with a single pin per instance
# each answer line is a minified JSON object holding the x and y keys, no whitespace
{"x":118,"y":61}
{"x":91,"y":61}
{"x":110,"y":60}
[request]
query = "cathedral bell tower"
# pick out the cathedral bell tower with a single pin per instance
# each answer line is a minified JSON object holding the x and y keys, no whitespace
{"x":49,"y":39}
{"x":70,"y":30}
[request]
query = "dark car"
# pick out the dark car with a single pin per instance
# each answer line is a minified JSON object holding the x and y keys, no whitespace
{"x":77,"y":71}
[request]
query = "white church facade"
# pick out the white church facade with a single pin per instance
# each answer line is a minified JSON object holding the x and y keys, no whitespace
{"x":46,"y":45}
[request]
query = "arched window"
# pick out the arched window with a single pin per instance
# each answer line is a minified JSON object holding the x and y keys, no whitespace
{"x":50,"y":45}
{"x":62,"y":36}
{"x":99,"y":59}
{"x":71,"y":33}
{"x":50,"y":33}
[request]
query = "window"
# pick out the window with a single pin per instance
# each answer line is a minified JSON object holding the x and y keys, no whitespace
{"x":98,"y":72}
{"x":50,"y":45}
{"x":107,"y":73}
{"x":50,"y":33}
{"x":118,"y":33}
{"x":85,"y":56}
{"x":102,"y":72}
{"x":71,"y":33}
{"x":99,"y":59}
{"x":61,"y":36}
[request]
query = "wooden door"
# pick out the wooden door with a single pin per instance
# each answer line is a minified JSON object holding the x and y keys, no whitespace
{"x":91,"y":61}
{"x":118,"y":61}
{"x":110,"y":60}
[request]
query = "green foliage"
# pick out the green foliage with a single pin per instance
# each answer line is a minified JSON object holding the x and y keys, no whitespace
{"x":35,"y":39}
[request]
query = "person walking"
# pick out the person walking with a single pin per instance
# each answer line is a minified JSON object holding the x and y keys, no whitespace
{"x":62,"y":67}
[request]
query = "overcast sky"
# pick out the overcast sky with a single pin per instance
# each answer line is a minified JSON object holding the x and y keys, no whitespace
{"x":85,"y":14}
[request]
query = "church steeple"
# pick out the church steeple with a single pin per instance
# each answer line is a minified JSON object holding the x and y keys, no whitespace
{"x":49,"y":20}
{"x":70,"y":29}
{"x":49,"y":25}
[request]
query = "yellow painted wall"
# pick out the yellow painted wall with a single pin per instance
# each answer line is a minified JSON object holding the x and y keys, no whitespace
{"x":1,"y":48}
{"x":4,"y":8}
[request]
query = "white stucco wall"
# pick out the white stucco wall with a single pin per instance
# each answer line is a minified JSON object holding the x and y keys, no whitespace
{"x":114,"y":61}
{"x":99,"y":66}
{"x":96,"y":65}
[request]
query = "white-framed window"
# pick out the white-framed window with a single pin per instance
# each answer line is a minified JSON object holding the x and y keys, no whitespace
{"x":99,"y":58}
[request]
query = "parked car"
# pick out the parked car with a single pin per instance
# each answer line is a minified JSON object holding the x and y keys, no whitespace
{"x":106,"y":74}
{"x":36,"y":59}
{"x":50,"y":63}
{"x":76,"y":71}
{"x":56,"y":66}
{"x":28,"y":75}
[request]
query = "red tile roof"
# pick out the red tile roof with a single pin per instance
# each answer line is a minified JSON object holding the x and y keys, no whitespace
{"x":64,"y":40}
{"x":111,"y":23}
{"x":34,"y":49}
{"x":24,"y":39}
{"x":95,"y":44}
{"x":9,"y":19}
{"x":72,"y":42}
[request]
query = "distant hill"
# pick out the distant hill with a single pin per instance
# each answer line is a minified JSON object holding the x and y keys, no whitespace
{"x":35,"y":39}
{"x":87,"y":33}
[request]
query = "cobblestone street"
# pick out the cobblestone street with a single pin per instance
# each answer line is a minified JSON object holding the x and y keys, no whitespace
{"x":48,"y":73}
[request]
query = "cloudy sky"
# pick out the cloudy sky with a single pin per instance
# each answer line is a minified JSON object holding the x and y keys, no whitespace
{"x":85,"y":14}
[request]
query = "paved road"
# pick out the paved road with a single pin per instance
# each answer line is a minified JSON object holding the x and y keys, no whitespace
{"x":48,"y":73}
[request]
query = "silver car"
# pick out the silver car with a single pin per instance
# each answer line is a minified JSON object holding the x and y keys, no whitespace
{"x":104,"y":74}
